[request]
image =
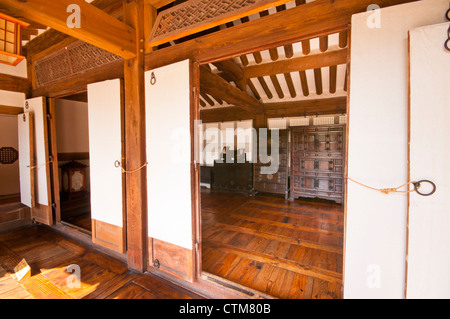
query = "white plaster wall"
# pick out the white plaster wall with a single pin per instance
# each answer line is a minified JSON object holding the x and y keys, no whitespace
{"x":9,"y":98}
{"x":72,"y":131}
{"x":9,"y":173}
{"x":20,"y":70}
{"x":375,"y":247}
{"x":72,"y":126}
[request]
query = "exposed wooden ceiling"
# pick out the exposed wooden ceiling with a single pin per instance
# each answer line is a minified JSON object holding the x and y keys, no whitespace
{"x":278,"y":78}
{"x":312,"y":69}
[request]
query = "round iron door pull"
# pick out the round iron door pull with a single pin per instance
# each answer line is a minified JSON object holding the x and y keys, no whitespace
{"x":418,"y":184}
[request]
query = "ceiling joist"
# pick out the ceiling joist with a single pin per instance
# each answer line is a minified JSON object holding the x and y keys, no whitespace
{"x":303,"y":63}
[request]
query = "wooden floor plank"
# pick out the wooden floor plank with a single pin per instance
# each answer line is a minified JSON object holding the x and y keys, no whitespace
{"x":49,"y":253}
{"x":287,"y":249}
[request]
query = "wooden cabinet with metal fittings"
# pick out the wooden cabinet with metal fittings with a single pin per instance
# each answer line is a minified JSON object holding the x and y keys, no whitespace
{"x":317,"y":162}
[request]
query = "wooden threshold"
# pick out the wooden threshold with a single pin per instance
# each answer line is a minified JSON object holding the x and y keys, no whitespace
{"x":240,"y":289}
{"x":85,"y":237}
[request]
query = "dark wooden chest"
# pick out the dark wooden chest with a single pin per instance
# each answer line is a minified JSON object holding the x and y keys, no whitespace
{"x":274,"y":182}
{"x":317,"y":162}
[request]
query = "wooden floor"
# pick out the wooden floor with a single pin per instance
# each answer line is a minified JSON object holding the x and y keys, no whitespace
{"x":77,"y":212}
{"x":286,"y":249}
{"x":49,"y":254}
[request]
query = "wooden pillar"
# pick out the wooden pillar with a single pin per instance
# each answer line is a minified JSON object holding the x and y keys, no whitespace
{"x":135,"y":153}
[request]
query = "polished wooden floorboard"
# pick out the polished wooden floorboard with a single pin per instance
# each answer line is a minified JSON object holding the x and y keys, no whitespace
{"x":77,"y":212}
{"x":285,"y":249}
{"x":49,"y":254}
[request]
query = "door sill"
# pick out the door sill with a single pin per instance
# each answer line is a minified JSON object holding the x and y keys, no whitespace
{"x":85,"y":237}
{"x":77,"y":228}
{"x":240,"y":289}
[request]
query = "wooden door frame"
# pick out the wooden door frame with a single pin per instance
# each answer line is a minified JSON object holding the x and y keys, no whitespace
{"x":257,"y":121}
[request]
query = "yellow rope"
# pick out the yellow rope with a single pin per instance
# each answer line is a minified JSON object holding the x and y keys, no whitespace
{"x":40,"y":165}
{"x":118,"y":164}
{"x":386,"y":190}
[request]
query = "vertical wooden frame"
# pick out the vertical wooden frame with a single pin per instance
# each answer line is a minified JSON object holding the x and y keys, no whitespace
{"x":53,"y":151}
{"x":347,"y":145}
{"x":135,"y":155}
{"x":195,"y":169}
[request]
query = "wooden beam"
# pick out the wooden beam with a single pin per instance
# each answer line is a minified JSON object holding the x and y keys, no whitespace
{"x":52,"y":40}
{"x":225,"y":114}
{"x":297,"y":64}
{"x":317,"y":18}
{"x":205,"y":21}
{"x":10,"y":110}
{"x":135,"y":145}
{"x":97,"y":27}
{"x":15,"y":84}
{"x":158,"y":3}
{"x":307,"y":107}
{"x":284,"y":109}
{"x":215,"y":86}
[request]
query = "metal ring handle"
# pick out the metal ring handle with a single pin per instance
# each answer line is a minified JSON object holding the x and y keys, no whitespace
{"x":418,"y":184}
{"x":447,"y":44}
{"x":448,"y":14}
{"x":153,"y":79}
{"x":117,"y":164}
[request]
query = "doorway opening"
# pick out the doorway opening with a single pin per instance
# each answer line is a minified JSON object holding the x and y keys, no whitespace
{"x":277,"y":231}
{"x":72,"y":136}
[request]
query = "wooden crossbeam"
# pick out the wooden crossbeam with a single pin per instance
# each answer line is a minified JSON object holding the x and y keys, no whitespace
{"x":336,"y":105}
{"x":216,"y":86}
{"x":15,"y":84}
{"x":97,"y":27}
{"x":158,"y":3}
{"x":297,"y":64}
{"x":326,"y":106}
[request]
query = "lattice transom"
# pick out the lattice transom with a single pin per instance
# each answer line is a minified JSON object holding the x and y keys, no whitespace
{"x":73,"y":59}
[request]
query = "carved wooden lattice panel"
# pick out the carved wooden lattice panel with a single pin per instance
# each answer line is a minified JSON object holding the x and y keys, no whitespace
{"x":73,"y":59}
{"x":198,"y":15}
{"x":8,"y":155}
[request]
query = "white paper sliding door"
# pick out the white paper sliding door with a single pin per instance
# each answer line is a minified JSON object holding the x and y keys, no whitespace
{"x":105,"y":148}
{"x":168,"y":102}
{"x":26,"y":147}
{"x":428,"y":273}
{"x":42,"y":209}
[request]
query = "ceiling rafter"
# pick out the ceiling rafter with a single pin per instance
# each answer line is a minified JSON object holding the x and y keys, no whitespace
{"x":216,"y":86}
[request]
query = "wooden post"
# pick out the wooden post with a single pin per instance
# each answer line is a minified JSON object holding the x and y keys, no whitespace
{"x":136,"y":183}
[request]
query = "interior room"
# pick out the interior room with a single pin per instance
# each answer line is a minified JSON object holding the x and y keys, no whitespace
{"x":274,"y":231}
{"x":72,"y":136}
